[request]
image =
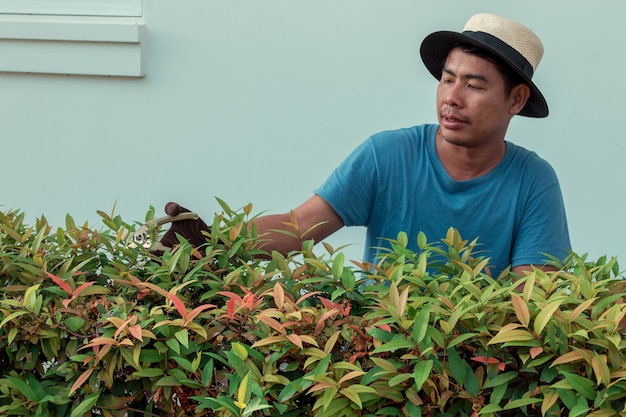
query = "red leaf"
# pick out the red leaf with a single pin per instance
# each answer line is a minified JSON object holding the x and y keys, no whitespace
{"x":64,"y":285}
{"x":197,"y":311}
{"x":230,"y":310}
{"x":384,"y":326}
{"x":232,"y":296}
{"x":180,"y":306}
{"x":81,"y":380}
{"x":80,"y":289}
{"x":486,"y":361}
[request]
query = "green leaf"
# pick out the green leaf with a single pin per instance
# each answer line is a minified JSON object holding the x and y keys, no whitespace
{"x":148,"y":373}
{"x":420,"y":326}
{"x":521,"y":402}
{"x":168,"y":381}
{"x":501,"y":379}
{"x":461,"y":338}
{"x":183,"y":337}
{"x":24,"y":388}
{"x":86,"y":405}
{"x":463,"y":372}
{"x":583,"y":386}
{"x":580,"y":409}
{"x":337,"y":265}
{"x":173,"y":344}
{"x":74,"y":323}
{"x":293,"y":388}
{"x":421,"y":372}
{"x":490,"y":408}
{"x":12,"y":316}
{"x":380,"y":334}
{"x":457,"y":365}
{"x":394,"y":345}
{"x":329,"y":395}
{"x":184,"y":363}
{"x":254,"y":405}
{"x":322,"y":366}
{"x":398,"y":379}
{"x":207,"y":373}
{"x":348,"y":280}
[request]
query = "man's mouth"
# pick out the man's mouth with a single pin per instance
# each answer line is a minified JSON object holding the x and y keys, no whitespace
{"x":452,"y":117}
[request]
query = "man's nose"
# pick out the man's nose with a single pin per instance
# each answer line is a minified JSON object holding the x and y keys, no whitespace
{"x":453,"y":95}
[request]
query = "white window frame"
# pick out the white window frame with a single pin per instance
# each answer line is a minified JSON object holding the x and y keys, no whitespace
{"x":129,"y":8}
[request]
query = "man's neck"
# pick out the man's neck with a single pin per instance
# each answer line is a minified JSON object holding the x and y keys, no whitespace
{"x":465,"y":162}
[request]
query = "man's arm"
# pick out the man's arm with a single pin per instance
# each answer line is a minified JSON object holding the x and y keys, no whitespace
{"x":314,"y":220}
{"x":522,"y":269}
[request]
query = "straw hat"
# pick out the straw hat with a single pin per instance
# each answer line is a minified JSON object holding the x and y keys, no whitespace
{"x":517,"y":45}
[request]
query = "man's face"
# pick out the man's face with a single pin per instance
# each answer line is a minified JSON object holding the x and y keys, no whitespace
{"x":473,"y":109}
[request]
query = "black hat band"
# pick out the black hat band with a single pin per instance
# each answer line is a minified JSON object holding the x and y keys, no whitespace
{"x":505,"y":50}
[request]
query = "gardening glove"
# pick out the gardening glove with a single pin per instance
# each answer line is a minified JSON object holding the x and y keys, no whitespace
{"x":185,"y":223}
{"x":190,"y":228}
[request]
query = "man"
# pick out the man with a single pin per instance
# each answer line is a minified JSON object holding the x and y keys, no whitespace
{"x":460,"y":173}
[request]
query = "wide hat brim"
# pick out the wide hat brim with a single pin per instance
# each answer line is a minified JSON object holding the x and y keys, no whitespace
{"x":435,"y":48}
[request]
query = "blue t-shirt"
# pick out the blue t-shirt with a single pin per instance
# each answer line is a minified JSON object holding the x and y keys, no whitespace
{"x":394,"y":182}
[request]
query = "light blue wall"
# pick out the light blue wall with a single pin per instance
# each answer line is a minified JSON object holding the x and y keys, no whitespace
{"x":257,"y":102}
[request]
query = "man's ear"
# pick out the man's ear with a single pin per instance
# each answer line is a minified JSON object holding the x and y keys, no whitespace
{"x":518,"y":98}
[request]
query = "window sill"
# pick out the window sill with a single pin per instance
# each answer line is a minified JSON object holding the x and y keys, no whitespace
{"x":105,"y":46}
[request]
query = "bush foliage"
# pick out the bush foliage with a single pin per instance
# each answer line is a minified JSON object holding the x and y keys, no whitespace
{"x":92,"y":327}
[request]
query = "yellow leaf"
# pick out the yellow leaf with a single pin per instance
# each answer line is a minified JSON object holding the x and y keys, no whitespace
{"x":445,"y":326}
{"x":351,"y":375}
{"x":279,"y":295}
{"x":117,"y":322}
{"x":30,"y":297}
{"x":601,"y":369}
{"x":602,"y":413}
{"x":521,"y":309}
{"x":100,"y":341}
{"x":529,"y":285}
{"x":240,"y":351}
{"x":308,"y":339}
{"x":136,"y":354}
{"x":269,"y":341}
{"x":315,"y":353}
{"x":352,"y":396}
{"x":568,"y":357}
{"x":549,"y":399}
{"x":321,"y":386}
{"x":242,"y":392}
{"x":330,"y":343}
{"x":401,"y":307}
{"x":510,"y":326}
{"x":383,"y":364}
{"x":295,"y":339}
{"x":394,"y":297}
{"x":233,"y":233}
{"x":545,"y":315}
{"x":511,"y":336}
{"x":275,"y":379}
{"x":582,"y":307}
